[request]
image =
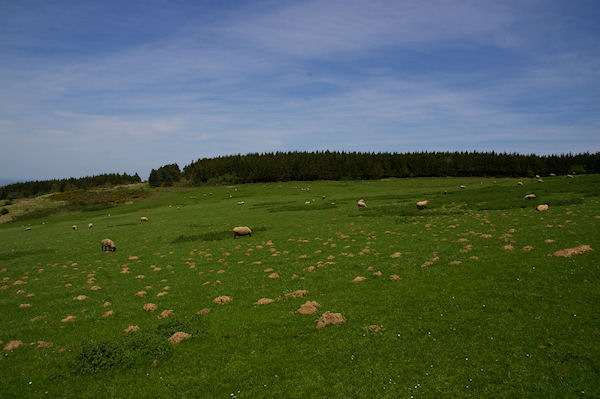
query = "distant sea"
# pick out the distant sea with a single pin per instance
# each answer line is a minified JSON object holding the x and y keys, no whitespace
{"x":5,"y":182}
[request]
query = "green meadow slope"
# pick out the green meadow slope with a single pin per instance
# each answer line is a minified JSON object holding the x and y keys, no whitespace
{"x":466,"y":298}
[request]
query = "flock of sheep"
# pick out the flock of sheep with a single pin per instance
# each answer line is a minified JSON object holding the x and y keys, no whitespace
{"x":239,"y":231}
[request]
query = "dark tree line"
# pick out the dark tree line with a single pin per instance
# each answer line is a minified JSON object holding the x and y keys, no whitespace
{"x":40,"y":187}
{"x":284,"y":166}
{"x":165,"y":175}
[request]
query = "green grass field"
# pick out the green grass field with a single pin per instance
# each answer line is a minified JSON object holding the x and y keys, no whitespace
{"x":481,"y":307}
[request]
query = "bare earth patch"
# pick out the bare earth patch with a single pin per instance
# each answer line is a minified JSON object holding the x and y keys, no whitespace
{"x":109,"y":313}
{"x":68,"y":319}
{"x":150,"y":307}
{"x":309,"y":307}
{"x":12,"y":345}
{"x":131,"y":329}
{"x":330,"y":318}
{"x":264,"y":301}
{"x":297,"y":294}
{"x":358,"y":279}
{"x":395,"y":277}
{"x":165,"y":313}
{"x":273,"y":275}
{"x":80,"y":298}
{"x":44,"y":345}
{"x":203,"y":311}
{"x":567,"y":253}
{"x":509,"y":247}
{"x":95,"y":288}
{"x":24,"y":305}
{"x":220,"y":300}
{"x":178,"y":337}
{"x":396,"y":255}
{"x":527,"y":248}
{"x":141,"y":293}
{"x":374,"y":328}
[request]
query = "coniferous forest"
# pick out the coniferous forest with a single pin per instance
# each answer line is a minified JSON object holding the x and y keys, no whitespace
{"x":40,"y":187}
{"x":327,"y":165}
{"x":284,"y":166}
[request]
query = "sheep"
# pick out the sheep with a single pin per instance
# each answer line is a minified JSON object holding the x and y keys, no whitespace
{"x":28,"y":228}
{"x":537,"y":176}
{"x":241,"y":231}
{"x":361,"y":203}
{"x":143,"y":219}
{"x":108,"y":244}
{"x":520,"y":183}
{"x":569,"y":176}
{"x":542,"y":207}
{"x":74,"y":227}
{"x":553,"y":174}
{"x":241,"y":203}
{"x":540,"y":180}
{"x":90,"y":225}
{"x":422,"y":204}
{"x":463,"y":187}
{"x":529,"y":196}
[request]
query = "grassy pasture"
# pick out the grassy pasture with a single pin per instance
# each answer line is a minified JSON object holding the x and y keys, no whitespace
{"x":466,"y":318}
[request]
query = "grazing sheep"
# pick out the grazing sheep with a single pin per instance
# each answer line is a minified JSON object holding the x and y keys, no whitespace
{"x":529,"y":196}
{"x":74,"y":227}
{"x":241,"y":231}
{"x":537,"y":176}
{"x":463,"y":187}
{"x":90,"y":226}
{"x":542,"y":207}
{"x":27,"y":228}
{"x":323,"y":197}
{"x":520,"y":183}
{"x":241,"y":203}
{"x":553,"y":174}
{"x":540,"y":180}
{"x":361,"y":203}
{"x":143,"y":219}
{"x":569,"y":176}
{"x":445,"y":192}
{"x":422,"y":204}
{"x":108,"y":244}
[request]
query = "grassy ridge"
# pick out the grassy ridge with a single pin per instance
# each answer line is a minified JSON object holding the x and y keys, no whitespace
{"x":467,"y":318}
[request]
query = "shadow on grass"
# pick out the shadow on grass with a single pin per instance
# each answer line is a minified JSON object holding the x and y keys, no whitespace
{"x":212,"y":235}
{"x":135,"y":348}
{"x":19,"y":254}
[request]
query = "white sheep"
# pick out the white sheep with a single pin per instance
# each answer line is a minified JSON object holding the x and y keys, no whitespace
{"x":463,"y":187}
{"x":542,"y":207}
{"x":520,"y":183}
{"x":361,"y":203}
{"x":529,"y":196}
{"x":241,"y":231}
{"x":569,"y":176}
{"x":143,"y":219}
{"x":241,"y":203}
{"x":90,"y":225}
{"x":422,"y":204}
{"x":74,"y":227}
{"x":108,"y":244}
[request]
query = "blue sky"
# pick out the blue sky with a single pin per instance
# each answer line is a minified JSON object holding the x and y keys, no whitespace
{"x":90,"y":87}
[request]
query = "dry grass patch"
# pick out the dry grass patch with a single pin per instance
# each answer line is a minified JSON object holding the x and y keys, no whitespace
{"x":179,"y":336}
{"x":220,"y":300}
{"x":264,"y":301}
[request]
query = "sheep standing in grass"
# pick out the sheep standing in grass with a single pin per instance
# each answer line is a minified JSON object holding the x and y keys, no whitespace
{"x":542,"y":207}
{"x":241,"y":231}
{"x":241,"y":203}
{"x":143,"y":219}
{"x":422,"y":204}
{"x":463,"y":187}
{"x":108,"y":245}
{"x":529,"y":196}
{"x":90,"y":226}
{"x":74,"y":227}
{"x":361,"y":203}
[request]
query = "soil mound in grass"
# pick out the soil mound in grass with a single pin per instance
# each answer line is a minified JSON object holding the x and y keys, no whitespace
{"x":567,"y":253}
{"x":264,"y":301}
{"x":12,"y":345}
{"x":358,"y":279}
{"x":309,"y":307}
{"x":178,"y":337}
{"x":330,"y":318}
{"x":131,"y":329}
{"x":297,"y":294}
{"x":150,"y":307}
{"x":220,"y":300}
